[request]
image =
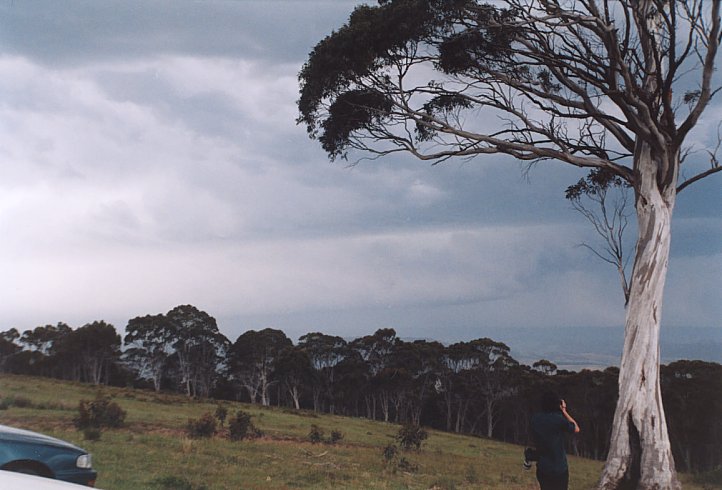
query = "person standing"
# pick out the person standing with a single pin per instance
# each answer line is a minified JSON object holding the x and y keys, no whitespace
{"x":549,"y":428}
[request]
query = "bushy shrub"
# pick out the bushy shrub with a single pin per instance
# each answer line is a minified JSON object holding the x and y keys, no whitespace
{"x":221,"y":414}
{"x":411,"y":437}
{"x":202,"y":427}
{"x":390,"y":452}
{"x":98,"y":413}
{"x":316,"y":434}
{"x":336,"y":436}
{"x":241,"y":427}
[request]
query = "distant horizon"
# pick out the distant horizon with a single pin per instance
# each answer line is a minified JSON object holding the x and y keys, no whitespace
{"x":593,"y":350}
{"x":685,"y":343}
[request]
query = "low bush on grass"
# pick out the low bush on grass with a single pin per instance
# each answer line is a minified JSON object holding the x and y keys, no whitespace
{"x":205,"y":426}
{"x":221,"y":414}
{"x":99,"y":413}
{"x":336,"y":436}
{"x":241,"y":427}
{"x":316,"y":434}
{"x":411,"y":437}
{"x":390,"y":453}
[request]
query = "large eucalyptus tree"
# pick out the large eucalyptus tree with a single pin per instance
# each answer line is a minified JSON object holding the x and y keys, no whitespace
{"x":149,"y":346}
{"x":198,"y":347}
{"x":615,"y":85}
{"x":252,"y":359}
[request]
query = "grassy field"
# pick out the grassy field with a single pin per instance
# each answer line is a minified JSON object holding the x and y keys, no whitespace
{"x":153,"y":451}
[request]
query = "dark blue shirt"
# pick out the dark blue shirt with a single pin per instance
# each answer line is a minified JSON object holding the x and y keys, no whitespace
{"x":548,"y":429}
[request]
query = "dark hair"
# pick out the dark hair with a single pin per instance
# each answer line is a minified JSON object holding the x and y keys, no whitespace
{"x":550,"y":401}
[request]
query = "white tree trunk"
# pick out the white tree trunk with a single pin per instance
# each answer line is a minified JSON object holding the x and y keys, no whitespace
{"x":640,"y":454}
{"x":293,"y":391}
{"x":489,"y":417}
{"x":385,"y":405}
{"x":265,"y":399}
{"x":157,"y":370}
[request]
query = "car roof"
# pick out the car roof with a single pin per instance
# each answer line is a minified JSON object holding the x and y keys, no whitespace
{"x":22,"y":435}
{"x":19,"y":481}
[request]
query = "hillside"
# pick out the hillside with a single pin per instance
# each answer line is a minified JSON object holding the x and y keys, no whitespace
{"x":153,"y":451}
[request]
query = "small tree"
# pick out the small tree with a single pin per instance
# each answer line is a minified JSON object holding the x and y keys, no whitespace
{"x":608,"y":215}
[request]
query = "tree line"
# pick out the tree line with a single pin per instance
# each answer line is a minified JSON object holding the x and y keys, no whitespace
{"x":473,"y":387}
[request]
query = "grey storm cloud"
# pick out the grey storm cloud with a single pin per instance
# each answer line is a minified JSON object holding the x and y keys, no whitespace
{"x":87,"y":30}
{"x":151,"y":158}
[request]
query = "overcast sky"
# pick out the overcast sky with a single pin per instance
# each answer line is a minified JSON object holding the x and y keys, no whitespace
{"x":149,"y":157}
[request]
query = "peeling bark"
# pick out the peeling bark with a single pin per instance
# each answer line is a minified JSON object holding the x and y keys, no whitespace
{"x":640,"y":455}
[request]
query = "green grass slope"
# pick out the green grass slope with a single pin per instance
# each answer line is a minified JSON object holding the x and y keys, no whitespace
{"x":153,"y":451}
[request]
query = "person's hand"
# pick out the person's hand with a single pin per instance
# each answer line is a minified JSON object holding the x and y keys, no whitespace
{"x":563,"y":406}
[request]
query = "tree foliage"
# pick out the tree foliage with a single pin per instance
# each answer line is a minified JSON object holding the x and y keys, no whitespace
{"x":95,"y":347}
{"x":198,"y":348}
{"x":252,"y":358}
{"x":567,"y":80}
{"x":149,"y":341}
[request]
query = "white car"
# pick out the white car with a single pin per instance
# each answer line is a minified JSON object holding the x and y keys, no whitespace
{"x":9,"y":480}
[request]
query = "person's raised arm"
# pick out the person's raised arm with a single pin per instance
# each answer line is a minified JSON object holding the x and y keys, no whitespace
{"x":563,"y":407}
